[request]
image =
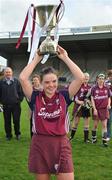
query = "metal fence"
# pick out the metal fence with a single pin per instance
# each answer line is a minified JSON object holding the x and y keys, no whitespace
{"x":64,"y":31}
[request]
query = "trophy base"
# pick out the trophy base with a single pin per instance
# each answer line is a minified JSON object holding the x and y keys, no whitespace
{"x":48,"y":46}
{"x":47,"y":52}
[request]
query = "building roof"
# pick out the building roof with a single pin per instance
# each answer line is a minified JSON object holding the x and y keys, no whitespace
{"x":75,"y":42}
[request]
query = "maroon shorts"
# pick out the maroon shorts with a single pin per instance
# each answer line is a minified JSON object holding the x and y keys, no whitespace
{"x":50,"y":155}
{"x":102,"y":114}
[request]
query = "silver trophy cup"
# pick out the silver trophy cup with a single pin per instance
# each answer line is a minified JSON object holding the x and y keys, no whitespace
{"x":45,"y":13}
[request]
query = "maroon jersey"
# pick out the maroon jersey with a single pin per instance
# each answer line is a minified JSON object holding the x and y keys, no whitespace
{"x":50,"y":116}
{"x":100,"y":96}
{"x":81,"y":95}
{"x":108,"y":83}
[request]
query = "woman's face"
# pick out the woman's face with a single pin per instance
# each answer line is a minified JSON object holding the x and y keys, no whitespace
{"x":36,"y":82}
{"x":110,"y":77}
{"x":50,"y":84}
{"x":86,"y":78}
{"x":101,"y":80}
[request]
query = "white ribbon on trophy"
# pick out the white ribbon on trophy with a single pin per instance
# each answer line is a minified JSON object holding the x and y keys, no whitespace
{"x":30,"y":22}
{"x":56,"y":35}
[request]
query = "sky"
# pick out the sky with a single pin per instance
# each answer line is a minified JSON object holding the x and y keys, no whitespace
{"x":78,"y":13}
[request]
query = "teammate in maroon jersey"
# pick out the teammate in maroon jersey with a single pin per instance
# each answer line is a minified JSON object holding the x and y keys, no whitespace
{"x":108,"y":82}
{"x":100,"y":98}
{"x":36,"y":84}
{"x":82,"y":109}
{"x":50,"y":151}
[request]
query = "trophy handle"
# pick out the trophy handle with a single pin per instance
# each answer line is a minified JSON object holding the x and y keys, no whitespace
{"x":60,"y":11}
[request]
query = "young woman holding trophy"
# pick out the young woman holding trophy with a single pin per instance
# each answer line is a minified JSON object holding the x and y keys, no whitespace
{"x":50,"y":151}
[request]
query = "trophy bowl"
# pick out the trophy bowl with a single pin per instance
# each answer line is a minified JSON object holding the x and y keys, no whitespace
{"x":45,"y":12}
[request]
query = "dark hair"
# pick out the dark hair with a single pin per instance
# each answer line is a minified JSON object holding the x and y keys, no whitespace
{"x":36,"y":76}
{"x":47,"y":70}
{"x":109,"y":72}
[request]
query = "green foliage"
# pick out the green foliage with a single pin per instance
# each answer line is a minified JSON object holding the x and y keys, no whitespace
{"x":91,"y":161}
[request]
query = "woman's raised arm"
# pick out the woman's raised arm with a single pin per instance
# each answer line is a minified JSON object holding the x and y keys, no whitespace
{"x":75,"y":70}
{"x":26,"y":73}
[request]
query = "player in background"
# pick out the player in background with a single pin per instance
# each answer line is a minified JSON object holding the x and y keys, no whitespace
{"x":100,"y":98}
{"x":108,"y":82}
{"x":82,"y":108}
